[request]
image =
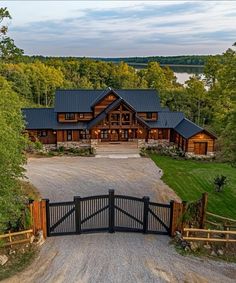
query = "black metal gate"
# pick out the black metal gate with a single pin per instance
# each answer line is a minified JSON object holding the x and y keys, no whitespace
{"x":108,"y":213}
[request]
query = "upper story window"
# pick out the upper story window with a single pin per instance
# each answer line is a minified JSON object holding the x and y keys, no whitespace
{"x":81,"y":115}
{"x":149,"y":115}
{"x":70,"y":116}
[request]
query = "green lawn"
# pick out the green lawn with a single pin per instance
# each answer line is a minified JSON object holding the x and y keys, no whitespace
{"x":189,"y":179}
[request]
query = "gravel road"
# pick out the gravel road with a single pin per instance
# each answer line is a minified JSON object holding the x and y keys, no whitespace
{"x":62,"y":178}
{"x":104,"y":257}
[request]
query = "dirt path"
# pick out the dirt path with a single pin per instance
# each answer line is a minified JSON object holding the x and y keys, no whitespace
{"x":119,"y":258}
{"x":104,"y":257}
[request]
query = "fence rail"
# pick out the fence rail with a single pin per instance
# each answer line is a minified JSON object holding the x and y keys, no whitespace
{"x":10,"y":237}
{"x":218,"y":221}
{"x":206,"y":235}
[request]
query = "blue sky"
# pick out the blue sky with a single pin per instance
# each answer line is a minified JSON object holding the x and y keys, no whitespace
{"x":122,"y":28}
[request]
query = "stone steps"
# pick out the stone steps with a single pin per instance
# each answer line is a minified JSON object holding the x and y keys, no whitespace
{"x":117,"y":156}
{"x":117,"y":150}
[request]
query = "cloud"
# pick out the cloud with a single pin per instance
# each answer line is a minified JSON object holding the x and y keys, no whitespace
{"x":136,"y":30}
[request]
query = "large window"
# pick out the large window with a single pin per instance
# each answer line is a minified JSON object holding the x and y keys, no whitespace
{"x":124,"y":134}
{"x":115,"y":119}
{"x":83,"y":134}
{"x":163,"y":134}
{"x":104,"y":134}
{"x":126,"y":119}
{"x":70,"y":116}
{"x":69,"y":135}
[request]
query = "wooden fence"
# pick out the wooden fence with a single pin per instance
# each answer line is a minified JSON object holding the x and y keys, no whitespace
{"x":193,"y":234}
{"x":219,"y":222}
{"x":39,"y":212}
{"x":14,"y":238}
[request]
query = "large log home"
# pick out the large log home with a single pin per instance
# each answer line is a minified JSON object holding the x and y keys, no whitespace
{"x":88,"y":117}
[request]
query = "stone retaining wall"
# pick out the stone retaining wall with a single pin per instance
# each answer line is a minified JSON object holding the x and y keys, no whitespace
{"x":209,"y":155}
{"x":142,"y":143}
{"x":49,"y":147}
{"x":78,"y":144}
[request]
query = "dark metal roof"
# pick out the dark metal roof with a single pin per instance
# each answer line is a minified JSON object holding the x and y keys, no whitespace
{"x":46,"y":118}
{"x":71,"y":126}
{"x":39,"y":118}
{"x":187,"y":128}
{"x":167,"y":120}
{"x":143,"y":100}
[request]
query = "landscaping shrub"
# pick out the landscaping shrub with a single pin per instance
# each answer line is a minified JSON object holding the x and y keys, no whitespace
{"x":220,"y":181}
{"x":165,"y":150}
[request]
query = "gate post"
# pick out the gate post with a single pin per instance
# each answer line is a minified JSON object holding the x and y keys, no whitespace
{"x":77,"y":215}
{"x":47,"y":217}
{"x":176,"y":213}
{"x":145,"y":214}
{"x":111,"y":199}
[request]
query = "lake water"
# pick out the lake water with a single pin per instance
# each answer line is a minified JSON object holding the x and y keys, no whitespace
{"x":183,"y":73}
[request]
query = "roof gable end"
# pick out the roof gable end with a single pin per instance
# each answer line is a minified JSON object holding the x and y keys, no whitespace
{"x":104,"y":94}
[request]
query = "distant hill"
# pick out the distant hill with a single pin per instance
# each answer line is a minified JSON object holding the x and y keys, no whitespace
{"x":163,"y":60}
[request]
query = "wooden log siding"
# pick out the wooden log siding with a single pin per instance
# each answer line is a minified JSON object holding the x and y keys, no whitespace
{"x":78,"y":117}
{"x":201,"y":137}
{"x":144,"y":116}
{"x":133,"y":133}
{"x":98,"y":108}
{"x":153,"y":134}
{"x":50,"y":138}
{"x":62,"y":135}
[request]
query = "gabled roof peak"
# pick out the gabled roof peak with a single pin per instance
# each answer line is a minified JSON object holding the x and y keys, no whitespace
{"x":80,"y":100}
{"x":103,"y":94}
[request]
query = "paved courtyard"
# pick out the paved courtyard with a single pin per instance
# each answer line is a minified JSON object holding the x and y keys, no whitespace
{"x":104,"y":257}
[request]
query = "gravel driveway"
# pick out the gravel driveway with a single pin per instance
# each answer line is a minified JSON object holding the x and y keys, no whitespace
{"x":104,"y":257}
{"x":62,"y":178}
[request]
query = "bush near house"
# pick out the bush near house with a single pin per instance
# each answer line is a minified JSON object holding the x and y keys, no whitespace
{"x":190,"y":178}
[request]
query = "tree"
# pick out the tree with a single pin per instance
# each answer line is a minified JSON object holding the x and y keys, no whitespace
{"x":8,"y":50}
{"x":196,"y":93}
{"x":12,"y":144}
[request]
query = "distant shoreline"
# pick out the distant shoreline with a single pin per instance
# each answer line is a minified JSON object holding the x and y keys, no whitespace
{"x":170,"y":65}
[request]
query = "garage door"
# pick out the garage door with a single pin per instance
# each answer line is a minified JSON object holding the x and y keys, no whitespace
{"x":200,"y":148}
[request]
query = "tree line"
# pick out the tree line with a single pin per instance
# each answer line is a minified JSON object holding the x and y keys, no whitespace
{"x":163,"y":60}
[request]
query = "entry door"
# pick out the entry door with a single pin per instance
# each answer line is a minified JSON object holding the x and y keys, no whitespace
{"x":114,"y":135}
{"x":124,"y":135}
{"x":200,"y":148}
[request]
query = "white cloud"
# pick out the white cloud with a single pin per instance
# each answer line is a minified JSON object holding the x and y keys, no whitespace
{"x":119,"y":28}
